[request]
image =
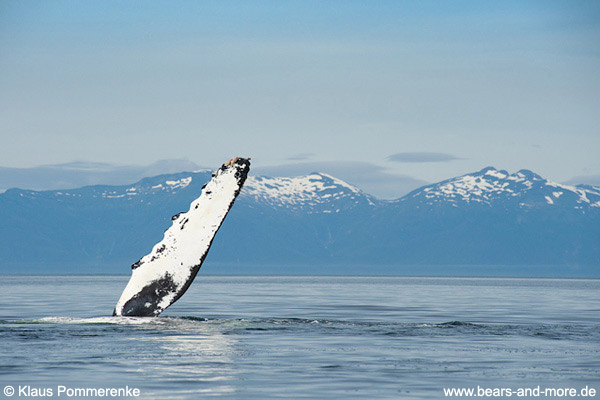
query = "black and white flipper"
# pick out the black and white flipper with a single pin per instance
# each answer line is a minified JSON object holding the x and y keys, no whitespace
{"x":161,"y":277}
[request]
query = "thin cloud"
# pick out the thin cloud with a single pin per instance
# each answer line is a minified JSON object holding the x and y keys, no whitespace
{"x":301,"y":156}
{"x":592,"y":180}
{"x":83,"y":173}
{"x":422,"y":157}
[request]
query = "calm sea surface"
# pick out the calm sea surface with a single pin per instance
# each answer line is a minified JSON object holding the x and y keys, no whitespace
{"x":246,"y":337}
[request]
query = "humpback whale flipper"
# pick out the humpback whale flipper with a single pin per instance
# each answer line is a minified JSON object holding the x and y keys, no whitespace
{"x":161,"y":277}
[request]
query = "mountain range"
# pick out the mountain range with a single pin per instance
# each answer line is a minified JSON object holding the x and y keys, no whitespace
{"x":486,"y":223}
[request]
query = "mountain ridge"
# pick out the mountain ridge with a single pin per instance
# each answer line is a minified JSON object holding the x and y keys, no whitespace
{"x":314,"y":224}
{"x":479,"y":186}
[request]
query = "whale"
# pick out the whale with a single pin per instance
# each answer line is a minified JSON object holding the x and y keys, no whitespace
{"x":162,"y":276}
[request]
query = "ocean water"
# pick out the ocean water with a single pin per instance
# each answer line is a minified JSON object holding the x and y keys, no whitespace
{"x":244,"y":337}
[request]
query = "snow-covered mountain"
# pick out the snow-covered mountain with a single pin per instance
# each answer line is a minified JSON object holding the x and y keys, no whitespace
{"x":523,"y":189}
{"x":314,"y":193}
{"x":316,"y":224}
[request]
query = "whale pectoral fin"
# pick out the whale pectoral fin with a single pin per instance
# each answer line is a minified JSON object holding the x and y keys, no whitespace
{"x":162,"y":276}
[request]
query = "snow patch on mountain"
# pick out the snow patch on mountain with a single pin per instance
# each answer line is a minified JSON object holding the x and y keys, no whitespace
{"x":180,"y":183}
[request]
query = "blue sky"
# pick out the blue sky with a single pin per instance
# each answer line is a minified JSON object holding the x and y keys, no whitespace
{"x":410,"y":91}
